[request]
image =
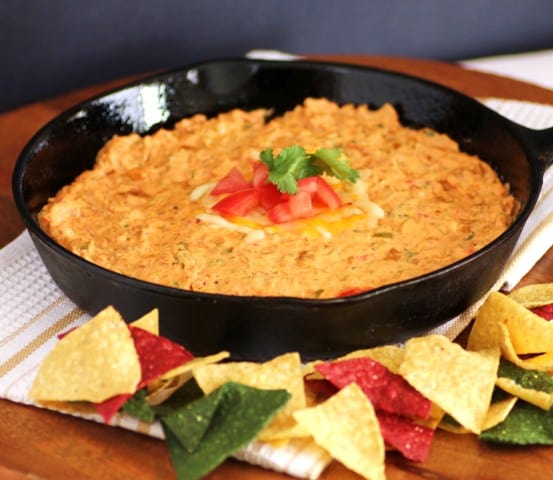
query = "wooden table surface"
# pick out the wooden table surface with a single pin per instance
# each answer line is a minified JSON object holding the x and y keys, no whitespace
{"x":39,"y":444}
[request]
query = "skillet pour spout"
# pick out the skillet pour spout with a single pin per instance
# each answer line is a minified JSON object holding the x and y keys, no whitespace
{"x":258,"y":328}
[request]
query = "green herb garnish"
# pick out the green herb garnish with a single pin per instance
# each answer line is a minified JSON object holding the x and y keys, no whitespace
{"x":294,"y":163}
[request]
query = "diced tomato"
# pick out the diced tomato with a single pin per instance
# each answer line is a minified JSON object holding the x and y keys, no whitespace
{"x":354,"y":291}
{"x":238,"y":203}
{"x":281,"y":207}
{"x":326,"y":194}
{"x":269,"y":196}
{"x":297,"y":206}
{"x":260,"y":174}
{"x":308,"y":184}
{"x":321,"y":191}
{"x":232,"y":182}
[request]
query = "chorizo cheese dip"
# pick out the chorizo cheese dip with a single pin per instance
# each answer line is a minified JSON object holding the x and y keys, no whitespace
{"x":189,"y":208}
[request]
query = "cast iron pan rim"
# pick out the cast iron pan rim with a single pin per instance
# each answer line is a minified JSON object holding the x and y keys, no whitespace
{"x":35,"y":229}
{"x":302,"y":63}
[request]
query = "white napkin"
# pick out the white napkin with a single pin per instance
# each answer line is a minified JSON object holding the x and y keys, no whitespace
{"x":33,"y":311}
{"x":534,"y":67}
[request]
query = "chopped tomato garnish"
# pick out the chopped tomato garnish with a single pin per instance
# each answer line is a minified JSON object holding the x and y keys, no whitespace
{"x":322,"y":192}
{"x":260,"y":174}
{"x":308,"y":184}
{"x":238,"y":203}
{"x":269,"y":196}
{"x":232,"y":182}
{"x":243,"y":196}
{"x":297,"y":206}
{"x":326,"y":195}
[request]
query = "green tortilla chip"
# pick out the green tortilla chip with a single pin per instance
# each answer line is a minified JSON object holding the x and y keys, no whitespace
{"x":137,"y":407}
{"x":533,"y":386}
{"x":188,"y":415}
{"x":186,"y":393}
{"x":525,"y":425}
{"x":236,"y":413}
{"x":529,"y":379}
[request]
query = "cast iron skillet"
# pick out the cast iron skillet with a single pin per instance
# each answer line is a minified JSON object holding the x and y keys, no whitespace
{"x":253,"y":327}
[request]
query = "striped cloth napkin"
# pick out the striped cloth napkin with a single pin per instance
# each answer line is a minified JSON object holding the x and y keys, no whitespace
{"x":33,"y":311}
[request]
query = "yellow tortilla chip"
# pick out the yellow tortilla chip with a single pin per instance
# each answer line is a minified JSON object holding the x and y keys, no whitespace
{"x":149,"y":322}
{"x":528,"y":332}
{"x":532,"y":296}
{"x":283,"y":372}
{"x":497,"y":412}
{"x":91,"y":363}
{"x":458,"y":381}
{"x":161,"y":389}
{"x":346,"y":426}
{"x":434,"y":418}
{"x":538,"y":398}
{"x":390,"y":356}
{"x":542,"y":362}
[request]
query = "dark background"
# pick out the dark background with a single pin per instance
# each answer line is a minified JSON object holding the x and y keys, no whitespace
{"x":50,"y":47}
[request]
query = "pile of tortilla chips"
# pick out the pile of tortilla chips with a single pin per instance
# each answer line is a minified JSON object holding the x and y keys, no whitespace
{"x":356,"y":408}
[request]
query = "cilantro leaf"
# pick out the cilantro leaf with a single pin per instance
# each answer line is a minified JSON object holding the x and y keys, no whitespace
{"x":294,"y":163}
{"x":267,"y":157}
{"x":289,"y":166}
{"x":328,"y":159}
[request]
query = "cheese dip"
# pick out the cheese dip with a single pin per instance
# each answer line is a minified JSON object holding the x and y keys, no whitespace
{"x":144,"y":210}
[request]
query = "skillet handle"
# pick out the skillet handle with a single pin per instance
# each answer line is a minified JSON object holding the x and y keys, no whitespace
{"x":541,"y":145}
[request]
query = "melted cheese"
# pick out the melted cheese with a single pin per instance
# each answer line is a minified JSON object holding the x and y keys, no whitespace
{"x":144,"y":210}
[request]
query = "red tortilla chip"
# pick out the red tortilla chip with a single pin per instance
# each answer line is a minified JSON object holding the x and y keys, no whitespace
{"x":157,"y":354}
{"x":413,"y":441}
{"x":387,"y":391}
{"x":108,"y":408}
{"x":545,"y":311}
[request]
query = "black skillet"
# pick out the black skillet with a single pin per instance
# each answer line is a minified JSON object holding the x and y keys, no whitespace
{"x":258,"y":328}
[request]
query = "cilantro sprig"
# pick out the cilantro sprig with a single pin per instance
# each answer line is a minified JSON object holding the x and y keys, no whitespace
{"x":294,"y":163}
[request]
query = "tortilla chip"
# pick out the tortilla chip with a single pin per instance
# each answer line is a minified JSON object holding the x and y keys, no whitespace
{"x":501,"y":406}
{"x":138,"y":408}
{"x":406,"y":436}
{"x":525,"y":425}
{"x":161,"y":389}
{"x":148,"y":322}
{"x":545,"y":311}
{"x":434,"y":417}
{"x":387,"y":391}
{"x":283,"y":372}
{"x":532,"y":296}
{"x":498,"y":412}
{"x":201,"y":434}
{"x":318,"y":390}
{"x":346,"y":426}
{"x":533,"y":386}
{"x":528,"y":332}
{"x":388,"y":355}
{"x":458,"y":381}
{"x":109,"y":408}
{"x":91,"y":363}
{"x":157,"y":354}
{"x":538,"y":362}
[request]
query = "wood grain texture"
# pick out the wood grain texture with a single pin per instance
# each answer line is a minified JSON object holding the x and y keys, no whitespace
{"x":38,"y":444}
